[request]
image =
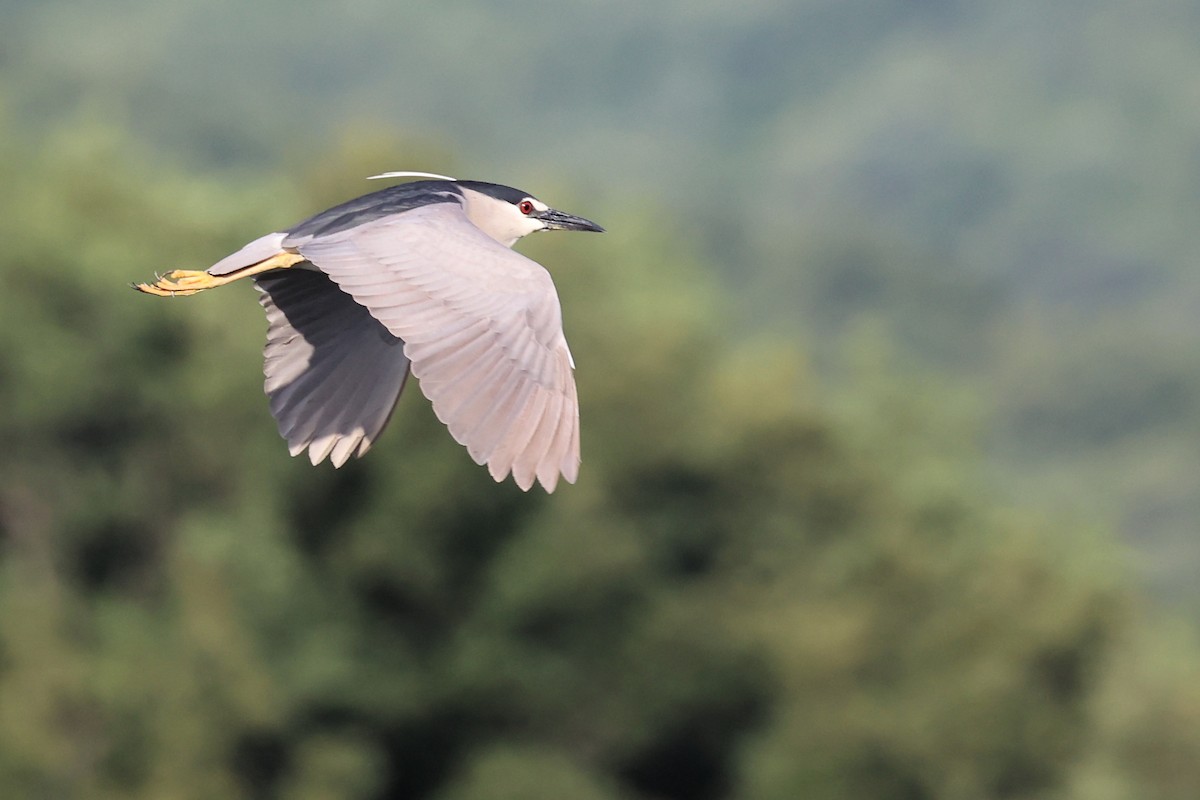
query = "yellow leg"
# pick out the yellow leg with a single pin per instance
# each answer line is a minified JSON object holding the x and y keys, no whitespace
{"x":183,"y":282}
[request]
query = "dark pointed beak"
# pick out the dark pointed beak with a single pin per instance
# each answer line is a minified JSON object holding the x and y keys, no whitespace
{"x":558,"y":221}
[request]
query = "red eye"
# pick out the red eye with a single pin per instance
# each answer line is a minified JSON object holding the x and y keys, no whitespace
{"x":525,"y":207}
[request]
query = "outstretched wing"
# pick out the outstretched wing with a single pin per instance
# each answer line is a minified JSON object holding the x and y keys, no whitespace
{"x":333,"y":372}
{"x":482,"y":326}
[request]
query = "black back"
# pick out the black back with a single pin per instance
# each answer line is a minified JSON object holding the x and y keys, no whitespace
{"x":373,"y":206}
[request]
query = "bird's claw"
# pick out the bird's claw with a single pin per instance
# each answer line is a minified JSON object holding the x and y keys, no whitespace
{"x":178,"y":282}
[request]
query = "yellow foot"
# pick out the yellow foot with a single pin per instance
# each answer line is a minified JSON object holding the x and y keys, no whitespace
{"x":179,"y":282}
{"x":182,"y":282}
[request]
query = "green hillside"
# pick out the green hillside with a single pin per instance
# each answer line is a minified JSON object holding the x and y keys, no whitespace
{"x":889,"y":408}
{"x":1007,"y":188}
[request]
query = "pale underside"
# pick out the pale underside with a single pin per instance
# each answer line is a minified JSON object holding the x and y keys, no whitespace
{"x":478,"y":324}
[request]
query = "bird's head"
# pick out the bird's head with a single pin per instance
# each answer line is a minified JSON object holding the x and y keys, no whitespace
{"x":503,"y":212}
{"x":506,"y":214}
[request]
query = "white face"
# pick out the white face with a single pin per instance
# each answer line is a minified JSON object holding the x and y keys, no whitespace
{"x":504,"y":222}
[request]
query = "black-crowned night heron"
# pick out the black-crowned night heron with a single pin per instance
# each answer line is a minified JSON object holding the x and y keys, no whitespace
{"x":417,"y":276}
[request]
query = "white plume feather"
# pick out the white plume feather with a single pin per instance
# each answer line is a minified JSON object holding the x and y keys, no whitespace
{"x":410,"y":175}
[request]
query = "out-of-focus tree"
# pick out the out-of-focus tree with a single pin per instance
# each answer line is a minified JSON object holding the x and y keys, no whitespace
{"x":755,"y":590}
{"x":990,"y":179}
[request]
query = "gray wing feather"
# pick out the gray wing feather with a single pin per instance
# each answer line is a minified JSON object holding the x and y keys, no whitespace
{"x":333,"y":372}
{"x":260,"y":249}
{"x":482,"y":326}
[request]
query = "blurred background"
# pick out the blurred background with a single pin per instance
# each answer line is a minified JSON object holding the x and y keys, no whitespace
{"x":890,"y":387}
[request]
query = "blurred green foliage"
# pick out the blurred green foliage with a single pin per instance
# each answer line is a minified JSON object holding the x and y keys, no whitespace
{"x":760,"y":588}
{"x":1008,"y":189}
{"x":867,"y":262}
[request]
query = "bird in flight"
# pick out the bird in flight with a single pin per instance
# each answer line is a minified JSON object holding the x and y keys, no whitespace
{"x":417,"y":277}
